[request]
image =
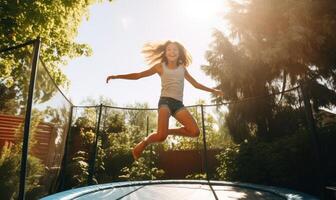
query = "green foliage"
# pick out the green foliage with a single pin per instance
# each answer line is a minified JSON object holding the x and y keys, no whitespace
{"x":82,"y":161}
{"x":35,"y":172}
{"x":126,"y":139}
{"x":56,"y":23}
{"x":142,"y":169}
{"x":9,"y":168}
{"x":119,"y":132}
{"x":271,"y":46}
{"x":201,"y":176}
{"x":228,"y":161}
{"x":139,"y":117}
{"x":99,"y":164}
{"x":119,"y":157}
{"x":288,"y":161}
{"x":88,"y":118}
{"x":6,"y":94}
{"x":77,"y":170}
{"x":10,"y":173}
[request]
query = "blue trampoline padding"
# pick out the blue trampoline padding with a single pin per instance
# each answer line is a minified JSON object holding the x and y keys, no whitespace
{"x":178,"y":189}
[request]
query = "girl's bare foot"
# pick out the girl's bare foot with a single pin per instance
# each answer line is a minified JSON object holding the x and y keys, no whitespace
{"x":138,"y":149}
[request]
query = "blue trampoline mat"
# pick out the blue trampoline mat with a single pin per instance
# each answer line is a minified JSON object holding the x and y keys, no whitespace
{"x":179,"y":190}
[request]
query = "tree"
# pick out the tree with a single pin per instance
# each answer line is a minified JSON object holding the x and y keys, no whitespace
{"x":138,"y":117}
{"x":56,"y":23}
{"x":272,"y":45}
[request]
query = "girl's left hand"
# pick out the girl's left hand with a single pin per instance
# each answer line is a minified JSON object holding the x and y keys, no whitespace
{"x":218,"y":93}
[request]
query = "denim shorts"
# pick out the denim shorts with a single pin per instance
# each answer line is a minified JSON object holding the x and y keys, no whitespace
{"x":173,"y":105}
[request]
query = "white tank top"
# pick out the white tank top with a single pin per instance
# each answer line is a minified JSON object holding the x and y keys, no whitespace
{"x":172,"y":82}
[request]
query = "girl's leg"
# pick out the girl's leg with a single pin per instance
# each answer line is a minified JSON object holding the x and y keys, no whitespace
{"x":159,"y":136}
{"x":190,"y":127}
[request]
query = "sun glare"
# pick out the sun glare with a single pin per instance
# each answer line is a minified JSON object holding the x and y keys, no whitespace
{"x":204,"y":10}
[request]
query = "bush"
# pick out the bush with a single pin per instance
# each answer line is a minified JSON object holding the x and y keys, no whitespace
{"x":10,"y":162}
{"x":77,"y":171}
{"x":198,"y":176}
{"x":141,"y":170}
{"x":287,"y":162}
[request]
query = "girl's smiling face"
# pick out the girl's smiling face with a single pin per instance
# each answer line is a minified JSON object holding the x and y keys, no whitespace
{"x":172,"y":52}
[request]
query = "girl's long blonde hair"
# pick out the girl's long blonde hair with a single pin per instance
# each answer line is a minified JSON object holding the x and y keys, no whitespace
{"x":155,"y":53}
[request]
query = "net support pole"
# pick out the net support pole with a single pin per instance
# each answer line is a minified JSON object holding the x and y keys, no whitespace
{"x":95,"y":146}
{"x":26,"y":130}
{"x":315,"y":138}
{"x":204,"y":144}
{"x":151,"y":147}
{"x":205,"y":153}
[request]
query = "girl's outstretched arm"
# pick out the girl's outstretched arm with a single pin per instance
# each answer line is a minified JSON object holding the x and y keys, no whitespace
{"x":197,"y":85}
{"x":135,"y":76}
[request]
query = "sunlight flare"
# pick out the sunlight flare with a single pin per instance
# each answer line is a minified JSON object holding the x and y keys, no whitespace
{"x":202,"y":10}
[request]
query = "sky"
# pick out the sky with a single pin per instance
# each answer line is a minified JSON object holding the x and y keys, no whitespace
{"x":116,"y":31}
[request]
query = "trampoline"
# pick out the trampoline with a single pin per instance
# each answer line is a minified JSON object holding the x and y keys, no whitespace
{"x":178,"y":190}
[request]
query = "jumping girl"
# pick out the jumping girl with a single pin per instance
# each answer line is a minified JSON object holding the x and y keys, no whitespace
{"x":170,"y":61}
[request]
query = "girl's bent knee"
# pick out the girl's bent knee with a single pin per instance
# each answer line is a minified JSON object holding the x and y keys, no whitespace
{"x":161,"y":137}
{"x":194,"y":132}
